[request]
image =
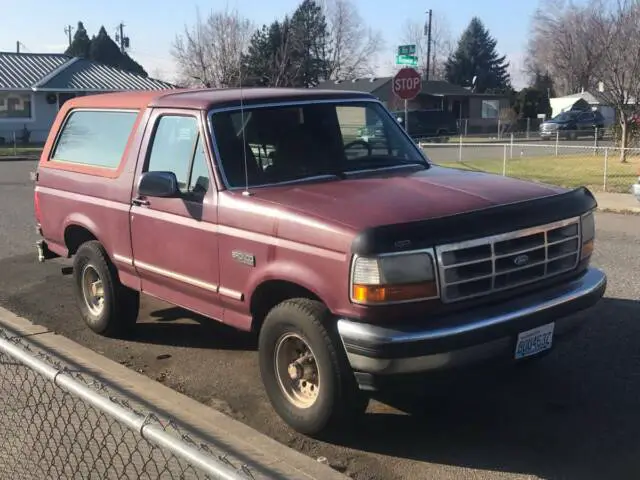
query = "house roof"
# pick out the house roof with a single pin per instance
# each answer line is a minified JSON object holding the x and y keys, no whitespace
{"x":58,"y":72}
{"x":22,"y":71}
{"x":370,"y":85}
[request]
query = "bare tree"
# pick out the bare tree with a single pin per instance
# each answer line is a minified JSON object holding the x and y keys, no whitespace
{"x":441,"y":44}
{"x":209,"y":53}
{"x":564,"y":44}
{"x":619,"y":71}
{"x":351,"y":47}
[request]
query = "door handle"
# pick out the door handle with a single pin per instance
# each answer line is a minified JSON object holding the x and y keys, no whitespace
{"x":140,"y":202}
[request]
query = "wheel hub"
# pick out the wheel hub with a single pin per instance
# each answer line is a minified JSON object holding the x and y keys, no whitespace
{"x":297,"y":371}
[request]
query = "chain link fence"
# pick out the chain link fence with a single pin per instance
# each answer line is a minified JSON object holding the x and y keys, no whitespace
{"x":59,"y":423}
{"x":601,"y":168}
{"x":22,"y":142}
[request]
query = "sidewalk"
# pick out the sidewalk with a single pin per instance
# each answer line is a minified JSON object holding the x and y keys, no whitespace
{"x":617,"y":203}
{"x":66,"y":437}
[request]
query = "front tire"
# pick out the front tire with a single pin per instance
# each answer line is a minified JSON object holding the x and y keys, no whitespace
{"x":107,"y":307}
{"x":304,"y":369}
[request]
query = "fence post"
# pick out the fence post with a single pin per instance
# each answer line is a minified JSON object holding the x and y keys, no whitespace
{"x":528,"y":127}
{"x":460,"y":150}
{"x":595,"y":142}
{"x":466,"y":127}
{"x":557,"y":140}
{"x":606,"y":167}
{"x":499,"y":130}
{"x":511,"y":147}
{"x":15,"y":144}
{"x":504,"y":161}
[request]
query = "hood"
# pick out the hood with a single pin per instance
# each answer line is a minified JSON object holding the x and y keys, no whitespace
{"x":360,"y":203}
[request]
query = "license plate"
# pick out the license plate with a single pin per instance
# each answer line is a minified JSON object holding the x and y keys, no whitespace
{"x":534,"y":341}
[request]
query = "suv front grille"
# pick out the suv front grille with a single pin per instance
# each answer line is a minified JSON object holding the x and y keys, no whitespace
{"x":500,"y":262}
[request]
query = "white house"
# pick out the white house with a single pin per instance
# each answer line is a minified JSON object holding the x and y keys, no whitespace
{"x":33,"y":86}
{"x":580,"y":101}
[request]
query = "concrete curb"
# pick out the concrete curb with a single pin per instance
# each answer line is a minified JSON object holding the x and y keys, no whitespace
{"x":265,"y":453}
{"x":622,"y":211}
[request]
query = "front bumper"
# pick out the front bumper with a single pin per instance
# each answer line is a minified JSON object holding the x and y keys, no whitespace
{"x":470,"y":336}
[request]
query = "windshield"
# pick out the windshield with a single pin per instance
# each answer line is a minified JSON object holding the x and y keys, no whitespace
{"x":287,"y":143}
{"x":565,"y":116}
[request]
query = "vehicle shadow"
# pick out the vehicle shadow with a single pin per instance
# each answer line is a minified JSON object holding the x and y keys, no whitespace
{"x":572,"y":414}
{"x":174,"y":326}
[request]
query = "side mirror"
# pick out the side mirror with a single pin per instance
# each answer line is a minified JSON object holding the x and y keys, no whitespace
{"x":158,"y":184}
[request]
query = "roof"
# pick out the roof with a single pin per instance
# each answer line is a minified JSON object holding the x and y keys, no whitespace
{"x":58,"y":72}
{"x":372,"y":84}
{"x":206,"y":99}
{"x":590,"y":98}
{"x":22,"y":71}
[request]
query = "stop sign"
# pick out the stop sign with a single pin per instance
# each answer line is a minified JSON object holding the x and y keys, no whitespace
{"x":407,"y":84}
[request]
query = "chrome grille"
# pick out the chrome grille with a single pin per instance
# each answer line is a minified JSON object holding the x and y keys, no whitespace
{"x":491,"y":264}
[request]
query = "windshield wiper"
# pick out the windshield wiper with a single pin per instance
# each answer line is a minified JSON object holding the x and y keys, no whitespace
{"x":381,"y":162}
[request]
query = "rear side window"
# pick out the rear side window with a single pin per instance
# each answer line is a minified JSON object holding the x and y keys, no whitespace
{"x":93,"y":137}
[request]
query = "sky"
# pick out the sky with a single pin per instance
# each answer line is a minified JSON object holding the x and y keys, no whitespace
{"x":152,"y":25}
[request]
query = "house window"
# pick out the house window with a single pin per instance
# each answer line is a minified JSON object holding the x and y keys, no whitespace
{"x":490,"y":108}
{"x":15,"y":105}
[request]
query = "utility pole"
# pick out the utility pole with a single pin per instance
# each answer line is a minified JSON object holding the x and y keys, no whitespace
{"x":124,"y":41}
{"x":69,"y":31}
{"x":429,"y":46}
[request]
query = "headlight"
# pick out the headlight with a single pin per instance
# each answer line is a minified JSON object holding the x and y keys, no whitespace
{"x":588,"y":229}
{"x":393,"y":278}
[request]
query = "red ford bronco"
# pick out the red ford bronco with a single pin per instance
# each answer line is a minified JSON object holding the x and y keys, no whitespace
{"x":355,"y":260}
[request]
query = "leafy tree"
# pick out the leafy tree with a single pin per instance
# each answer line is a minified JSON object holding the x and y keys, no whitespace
{"x":476,"y":56}
{"x":532,"y":101}
{"x":81,"y":43}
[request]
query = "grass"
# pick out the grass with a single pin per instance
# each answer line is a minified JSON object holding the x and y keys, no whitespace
{"x":9,"y":151}
{"x":566,"y":170}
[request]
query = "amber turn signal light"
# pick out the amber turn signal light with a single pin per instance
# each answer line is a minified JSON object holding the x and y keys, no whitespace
{"x":368,"y":294}
{"x":587,"y":249}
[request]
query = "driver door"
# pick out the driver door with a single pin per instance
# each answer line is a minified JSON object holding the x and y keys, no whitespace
{"x":175,"y":244}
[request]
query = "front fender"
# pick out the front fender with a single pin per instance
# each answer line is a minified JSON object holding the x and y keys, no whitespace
{"x":319,"y":281}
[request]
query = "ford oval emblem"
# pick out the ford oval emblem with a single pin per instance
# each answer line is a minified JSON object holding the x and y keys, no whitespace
{"x":521,"y":260}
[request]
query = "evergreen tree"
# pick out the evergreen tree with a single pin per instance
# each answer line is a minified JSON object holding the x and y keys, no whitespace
{"x":270,"y":57}
{"x":81,"y":43}
{"x":309,"y":47}
{"x":476,"y":56}
{"x":104,"y":50}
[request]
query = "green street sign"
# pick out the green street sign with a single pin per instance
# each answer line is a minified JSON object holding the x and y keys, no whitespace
{"x":410,"y":60}
{"x":406,"y":50}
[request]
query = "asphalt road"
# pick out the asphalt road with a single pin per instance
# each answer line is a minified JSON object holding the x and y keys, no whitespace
{"x":573,"y":414}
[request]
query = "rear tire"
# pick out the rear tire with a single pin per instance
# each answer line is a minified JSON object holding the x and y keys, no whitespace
{"x":312,"y":396}
{"x":107,"y":307}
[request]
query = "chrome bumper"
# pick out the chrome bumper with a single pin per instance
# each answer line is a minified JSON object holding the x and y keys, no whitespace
{"x":470,"y":336}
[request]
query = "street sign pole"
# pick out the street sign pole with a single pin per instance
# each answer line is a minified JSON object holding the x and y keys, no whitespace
{"x":406,"y":115}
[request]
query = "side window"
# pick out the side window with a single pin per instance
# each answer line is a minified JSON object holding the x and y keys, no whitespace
{"x":94,"y":137}
{"x":177,"y":147}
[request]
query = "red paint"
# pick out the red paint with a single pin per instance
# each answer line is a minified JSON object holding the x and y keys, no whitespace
{"x":407,"y":84}
{"x":182,"y":253}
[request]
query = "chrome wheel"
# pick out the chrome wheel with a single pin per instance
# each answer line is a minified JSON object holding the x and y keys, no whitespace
{"x":92,"y":290}
{"x":297,"y":370}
